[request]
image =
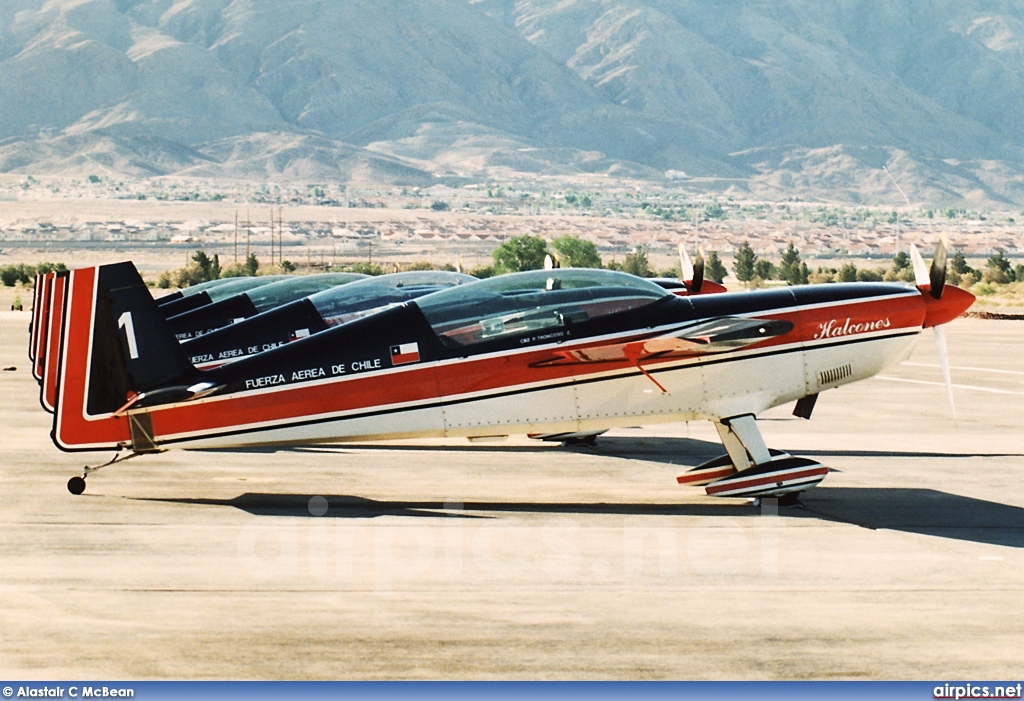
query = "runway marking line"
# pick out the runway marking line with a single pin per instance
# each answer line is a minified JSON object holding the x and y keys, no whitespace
{"x":943,"y":384}
{"x":962,"y":367}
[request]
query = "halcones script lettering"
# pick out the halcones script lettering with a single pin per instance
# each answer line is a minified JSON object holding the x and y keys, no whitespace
{"x":834,"y":328}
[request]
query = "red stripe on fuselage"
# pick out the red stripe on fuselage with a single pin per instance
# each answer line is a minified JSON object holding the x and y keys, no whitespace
{"x":486,"y":374}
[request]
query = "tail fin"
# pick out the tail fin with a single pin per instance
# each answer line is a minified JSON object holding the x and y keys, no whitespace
{"x":51,"y":346}
{"x":115,"y":348}
{"x":133,"y":350}
{"x":33,"y":320}
{"x":42,"y":324}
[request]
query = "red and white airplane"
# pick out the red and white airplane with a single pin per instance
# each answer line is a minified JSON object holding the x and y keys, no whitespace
{"x":548,"y":351}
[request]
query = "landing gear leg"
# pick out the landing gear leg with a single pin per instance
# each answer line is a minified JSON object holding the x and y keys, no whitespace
{"x":76,"y":485}
{"x":751,"y":469}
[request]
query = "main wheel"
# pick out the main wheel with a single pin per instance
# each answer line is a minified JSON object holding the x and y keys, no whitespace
{"x":76,"y":485}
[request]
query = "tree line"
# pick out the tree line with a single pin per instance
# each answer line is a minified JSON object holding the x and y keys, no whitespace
{"x":753,"y":270}
{"x":528,"y":252}
{"x":11,"y":275}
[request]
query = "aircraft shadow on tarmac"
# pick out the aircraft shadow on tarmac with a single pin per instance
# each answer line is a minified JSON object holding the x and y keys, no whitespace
{"x":684,"y":452}
{"x":923,"y":511}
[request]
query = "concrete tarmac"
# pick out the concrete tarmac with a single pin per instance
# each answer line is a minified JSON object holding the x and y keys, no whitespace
{"x":444,"y":560}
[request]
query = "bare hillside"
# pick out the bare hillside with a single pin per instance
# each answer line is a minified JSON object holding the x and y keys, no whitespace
{"x":789,"y":97}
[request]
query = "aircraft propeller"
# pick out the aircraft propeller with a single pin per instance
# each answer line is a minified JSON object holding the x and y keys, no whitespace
{"x":932,"y":279}
{"x":692,"y":273}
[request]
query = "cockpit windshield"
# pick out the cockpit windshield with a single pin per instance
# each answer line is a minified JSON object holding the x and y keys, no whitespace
{"x":535,"y":301}
{"x":343,"y":304}
{"x":238,"y":285}
{"x":297,"y":287}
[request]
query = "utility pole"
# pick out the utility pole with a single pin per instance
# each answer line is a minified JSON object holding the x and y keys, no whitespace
{"x":236,"y":237}
{"x":271,"y":236}
{"x":905,"y":198}
{"x":280,"y":234}
{"x":248,"y":233}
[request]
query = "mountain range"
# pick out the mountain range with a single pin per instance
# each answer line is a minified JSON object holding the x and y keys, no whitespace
{"x":775,"y":98}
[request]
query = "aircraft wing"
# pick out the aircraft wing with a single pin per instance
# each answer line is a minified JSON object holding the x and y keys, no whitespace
{"x":705,"y":337}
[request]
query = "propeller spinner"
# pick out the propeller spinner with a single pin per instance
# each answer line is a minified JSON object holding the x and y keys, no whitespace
{"x":942,"y":305}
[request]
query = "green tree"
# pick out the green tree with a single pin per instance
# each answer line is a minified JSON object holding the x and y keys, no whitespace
{"x":744,"y":262}
{"x":958,"y":264}
{"x":215,"y":267}
{"x":848,"y":273}
{"x":866,"y":275}
{"x":803,"y":276}
{"x":204,"y":264}
{"x":900,"y":261}
{"x":764,"y":269}
{"x":366,"y":268}
{"x":251,"y":265}
{"x":288,"y":266}
{"x":714,"y":268}
{"x":42,"y":268}
{"x":636,"y":263}
{"x":789,"y":268}
{"x":440,"y":206}
{"x":575,"y":252}
{"x":10,"y":275}
{"x":482,"y":271}
{"x":714,"y":211}
{"x":520,"y":253}
{"x":998,"y":269}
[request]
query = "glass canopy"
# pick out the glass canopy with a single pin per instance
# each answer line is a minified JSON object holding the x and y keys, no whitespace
{"x":297,"y":287}
{"x":538,"y":300}
{"x":206,"y":286}
{"x":343,"y":304}
{"x":238,"y":285}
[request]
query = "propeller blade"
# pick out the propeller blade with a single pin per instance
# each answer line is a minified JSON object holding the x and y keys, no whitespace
{"x":940,"y":346}
{"x":685,"y":264}
{"x":937,"y":273}
{"x":549,"y":262}
{"x":698,"y":272}
{"x":921,"y":277}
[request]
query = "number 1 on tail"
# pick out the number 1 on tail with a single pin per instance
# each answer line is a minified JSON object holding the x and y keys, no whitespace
{"x":125,"y":322}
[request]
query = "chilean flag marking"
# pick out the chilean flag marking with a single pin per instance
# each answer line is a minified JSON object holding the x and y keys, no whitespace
{"x":405,"y":353}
